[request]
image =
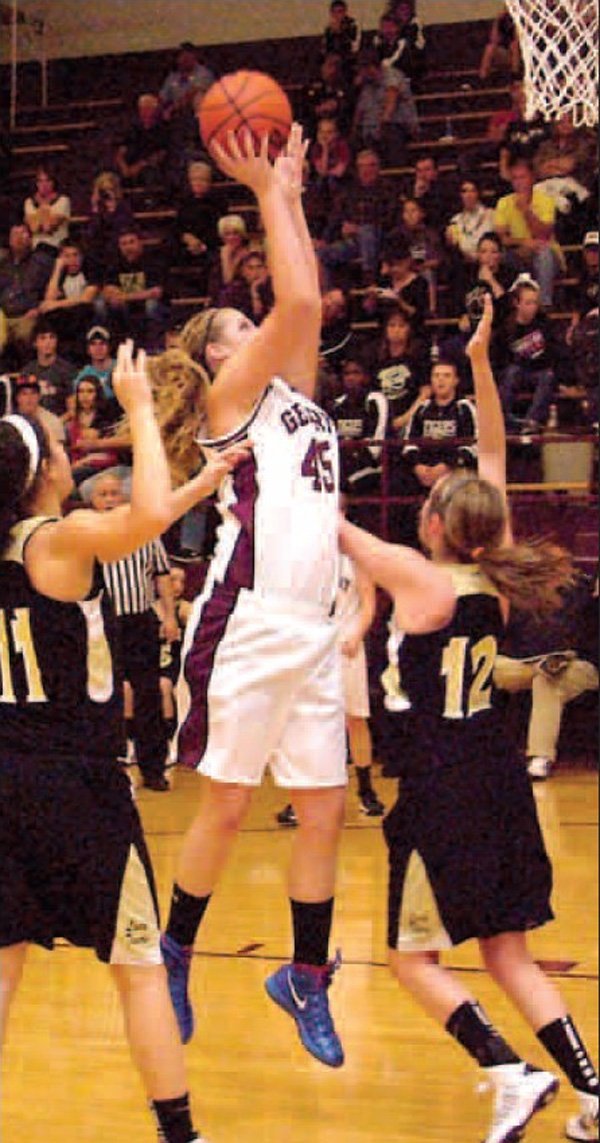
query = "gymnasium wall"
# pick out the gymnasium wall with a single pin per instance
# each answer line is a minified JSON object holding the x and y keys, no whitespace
{"x":77,"y":28}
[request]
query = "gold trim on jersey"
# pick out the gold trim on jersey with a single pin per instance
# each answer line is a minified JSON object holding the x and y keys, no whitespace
{"x":421,"y":928}
{"x":469,"y":579}
{"x":137,"y":936}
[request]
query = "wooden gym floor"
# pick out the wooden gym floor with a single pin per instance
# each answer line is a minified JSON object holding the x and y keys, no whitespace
{"x":67,"y":1076}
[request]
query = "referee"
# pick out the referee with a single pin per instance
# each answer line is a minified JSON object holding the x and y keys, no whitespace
{"x":132,"y":584}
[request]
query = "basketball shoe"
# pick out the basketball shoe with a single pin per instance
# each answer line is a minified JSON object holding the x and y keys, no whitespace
{"x":161,"y":1137}
{"x":177,"y":963}
{"x":302,"y":993}
{"x":520,"y":1092}
{"x":584,"y":1127}
{"x":370,"y":805}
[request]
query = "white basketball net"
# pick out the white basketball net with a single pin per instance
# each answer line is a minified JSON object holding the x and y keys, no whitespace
{"x":559,"y":44}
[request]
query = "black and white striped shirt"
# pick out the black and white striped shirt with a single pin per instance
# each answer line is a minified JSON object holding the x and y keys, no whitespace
{"x":130,"y":581}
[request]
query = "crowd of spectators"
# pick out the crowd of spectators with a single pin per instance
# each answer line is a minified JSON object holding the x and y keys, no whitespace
{"x":400,"y":242}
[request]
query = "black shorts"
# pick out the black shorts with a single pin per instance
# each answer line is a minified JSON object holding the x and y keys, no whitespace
{"x":73,"y":860}
{"x":467,"y":857}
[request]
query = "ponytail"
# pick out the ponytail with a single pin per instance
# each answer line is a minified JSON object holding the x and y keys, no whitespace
{"x":530,"y":574}
{"x":179,"y":386}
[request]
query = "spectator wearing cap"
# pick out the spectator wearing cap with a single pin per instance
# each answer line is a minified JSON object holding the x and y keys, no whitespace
{"x":527,"y":357}
{"x":525,"y":222}
{"x":134,"y":290}
{"x":24,"y":274}
{"x":54,"y":374}
{"x":101,"y":363}
{"x":27,"y":401}
{"x":400,"y":286}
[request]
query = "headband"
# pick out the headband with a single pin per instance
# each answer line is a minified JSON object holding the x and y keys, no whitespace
{"x":200,"y":354}
{"x":29,"y":438}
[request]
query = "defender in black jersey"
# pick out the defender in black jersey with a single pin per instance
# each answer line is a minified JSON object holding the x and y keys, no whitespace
{"x":73,"y":861}
{"x":467,"y":857}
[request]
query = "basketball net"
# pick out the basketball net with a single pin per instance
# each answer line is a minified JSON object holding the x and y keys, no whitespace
{"x":559,"y":45}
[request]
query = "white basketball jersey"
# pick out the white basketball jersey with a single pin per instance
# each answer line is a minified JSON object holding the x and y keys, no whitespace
{"x":279,"y":508}
{"x":347,"y":600}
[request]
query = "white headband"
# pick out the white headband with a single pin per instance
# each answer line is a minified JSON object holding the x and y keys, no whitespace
{"x":27,"y":434}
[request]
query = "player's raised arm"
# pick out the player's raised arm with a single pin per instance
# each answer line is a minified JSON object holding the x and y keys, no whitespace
{"x":286,"y":343}
{"x":491,"y":443}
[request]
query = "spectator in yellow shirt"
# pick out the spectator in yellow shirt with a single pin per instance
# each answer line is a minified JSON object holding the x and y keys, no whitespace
{"x":524,"y":221}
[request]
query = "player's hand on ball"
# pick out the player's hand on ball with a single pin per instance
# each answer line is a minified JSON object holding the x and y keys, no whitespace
{"x":130,"y":379}
{"x":243,"y":161}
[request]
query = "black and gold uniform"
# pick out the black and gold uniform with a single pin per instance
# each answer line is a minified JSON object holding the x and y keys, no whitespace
{"x":73,"y":861}
{"x":467,"y":858}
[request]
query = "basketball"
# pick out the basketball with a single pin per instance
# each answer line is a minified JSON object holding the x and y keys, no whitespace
{"x":245,"y":99}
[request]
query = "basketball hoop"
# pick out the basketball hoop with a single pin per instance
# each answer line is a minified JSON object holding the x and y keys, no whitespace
{"x":559,"y":45}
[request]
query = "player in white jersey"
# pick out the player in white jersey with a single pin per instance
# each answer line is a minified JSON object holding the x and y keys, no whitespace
{"x":261,"y":679}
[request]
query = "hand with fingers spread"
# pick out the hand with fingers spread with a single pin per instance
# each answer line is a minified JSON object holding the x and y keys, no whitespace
{"x":288,"y":166}
{"x":130,"y":379}
{"x":243,"y":162}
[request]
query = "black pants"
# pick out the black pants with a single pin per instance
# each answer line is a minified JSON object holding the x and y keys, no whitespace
{"x":140,"y":657}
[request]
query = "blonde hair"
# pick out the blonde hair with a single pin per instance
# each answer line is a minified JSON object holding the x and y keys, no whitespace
{"x":198,"y":331}
{"x":530,"y":574}
{"x":108,"y":181}
{"x":232,"y":222}
{"x":179,"y":387}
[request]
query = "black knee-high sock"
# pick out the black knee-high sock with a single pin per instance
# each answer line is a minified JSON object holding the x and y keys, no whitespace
{"x":470,"y":1026}
{"x":171,"y":725}
{"x":174,"y":1119}
{"x":312,"y":929}
{"x":185,"y":916}
{"x":562,"y":1040}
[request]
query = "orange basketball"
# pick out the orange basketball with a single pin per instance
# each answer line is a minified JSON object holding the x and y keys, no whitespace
{"x":245,"y":99}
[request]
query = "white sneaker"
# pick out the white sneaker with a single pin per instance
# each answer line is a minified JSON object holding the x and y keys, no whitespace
{"x":584,"y":1127}
{"x":520,"y":1093}
{"x":539,"y":768}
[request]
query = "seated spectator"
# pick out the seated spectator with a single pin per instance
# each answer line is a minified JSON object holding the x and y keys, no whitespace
{"x":110,"y":215}
{"x":385,"y":40}
{"x":54,"y":374}
{"x":317,"y":200}
{"x":525,"y":222}
{"x":187,"y":78}
{"x":329,"y":97}
{"x":195,"y":233}
{"x":330,"y":155}
{"x":337,"y":337}
{"x":101,"y":363}
{"x":476,"y":161}
{"x":556,"y":660}
{"x":582,"y":335}
{"x":502,"y":52}
{"x":400,"y":286}
{"x":565,"y":166}
{"x":470,"y":223}
{"x":489,"y":275}
{"x":226,"y":260}
{"x":522,"y":139}
{"x":28,"y":404}
{"x":360,"y":216}
{"x":134,"y":290}
{"x":72,"y":287}
{"x":24,"y":274}
{"x":359,"y":414}
{"x":47,"y":211}
{"x":435,"y":195}
{"x":411,"y":47}
{"x":141,"y":153}
{"x":424,"y":245}
{"x":250,"y":289}
{"x":342,"y":36}
{"x":441,"y":420}
{"x":87,"y":429}
{"x":385,"y":115}
{"x":527,"y":354}
{"x":400,"y":371}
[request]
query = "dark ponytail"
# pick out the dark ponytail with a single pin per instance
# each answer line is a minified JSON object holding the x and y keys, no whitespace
{"x":17,"y":481}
